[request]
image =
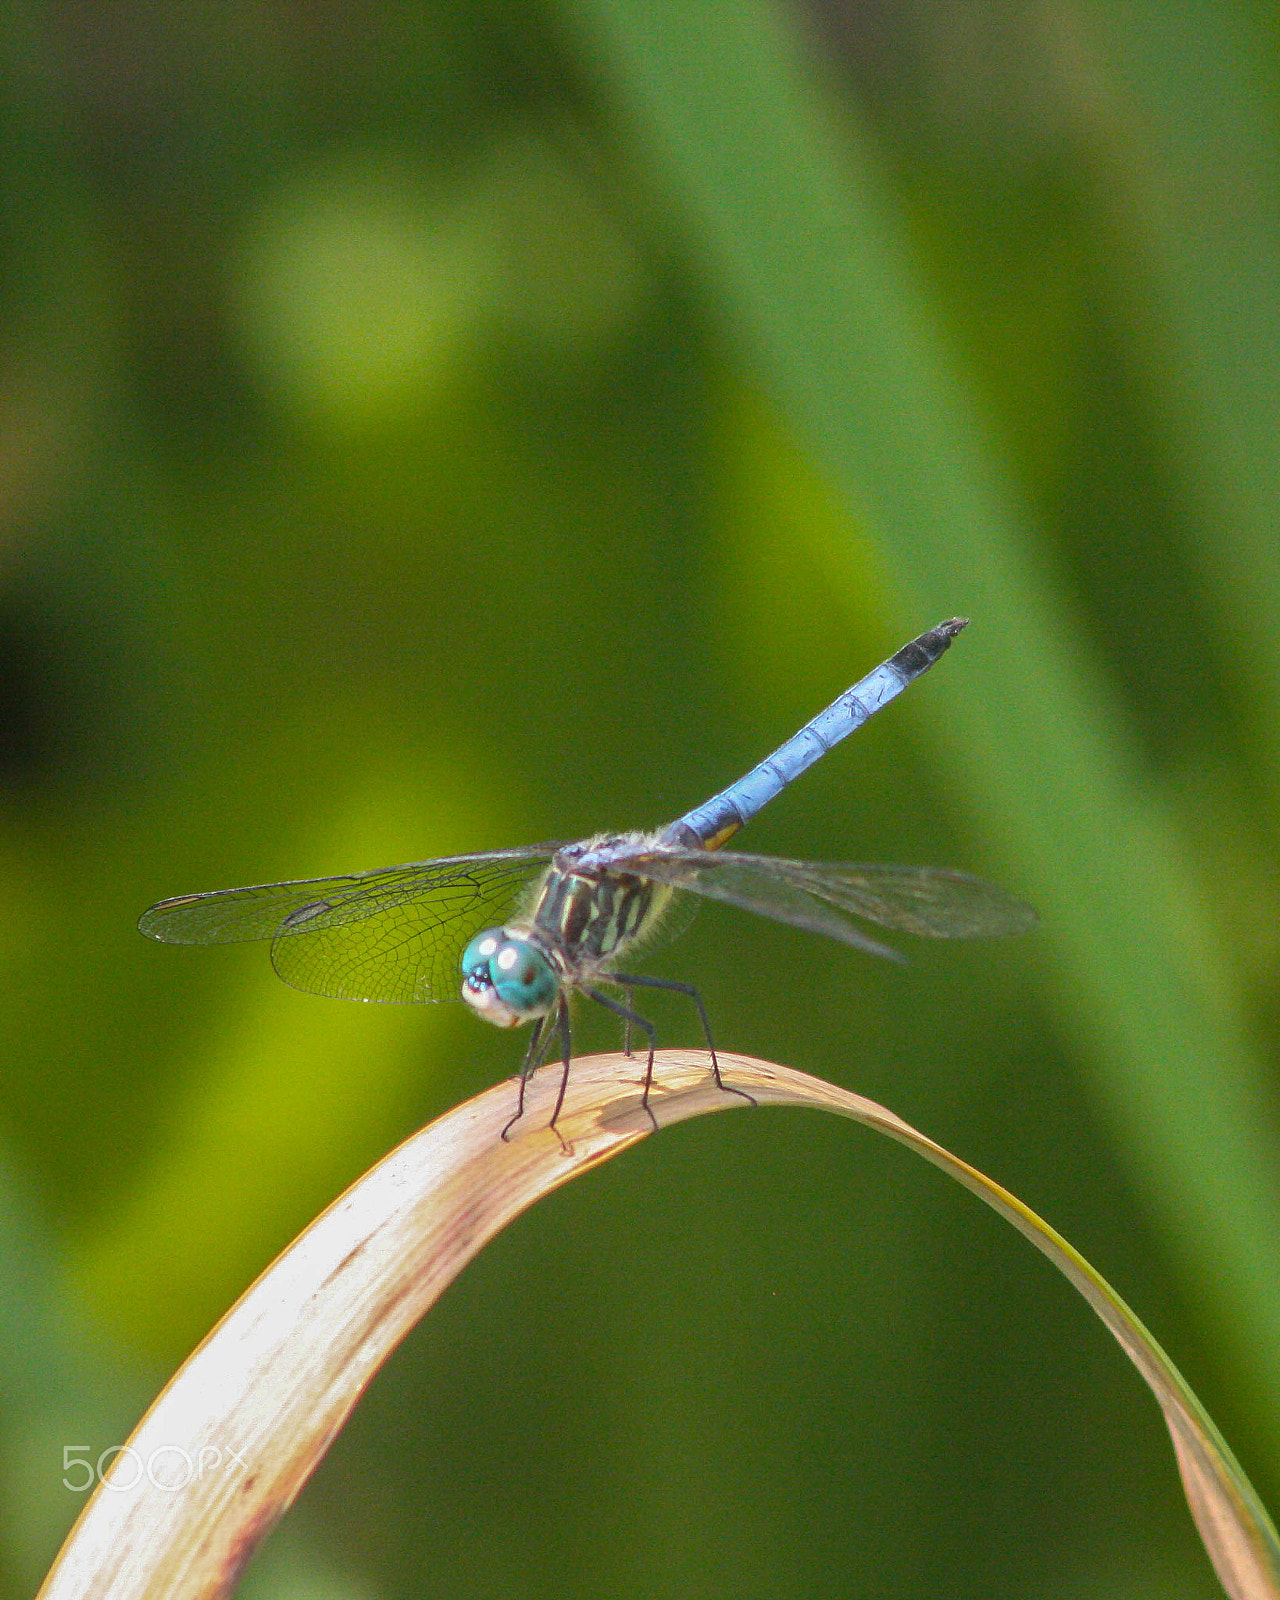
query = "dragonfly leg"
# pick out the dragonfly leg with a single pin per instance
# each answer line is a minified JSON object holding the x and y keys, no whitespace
{"x":631,"y":1017}
{"x":630,"y":980}
{"x":626,"y":1026}
{"x":566,"y":1046}
{"x":533,"y":1057}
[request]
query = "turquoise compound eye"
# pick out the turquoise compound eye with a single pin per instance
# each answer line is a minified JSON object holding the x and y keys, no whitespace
{"x":481,"y":950}
{"x":520,"y":975}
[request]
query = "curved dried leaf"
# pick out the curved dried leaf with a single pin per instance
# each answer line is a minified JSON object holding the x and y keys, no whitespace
{"x":248,"y":1417}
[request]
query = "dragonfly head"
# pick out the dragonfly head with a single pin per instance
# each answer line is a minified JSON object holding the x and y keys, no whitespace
{"x":507,"y":980}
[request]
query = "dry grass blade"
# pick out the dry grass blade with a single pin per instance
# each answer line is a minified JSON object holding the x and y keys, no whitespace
{"x":235,"y":1435}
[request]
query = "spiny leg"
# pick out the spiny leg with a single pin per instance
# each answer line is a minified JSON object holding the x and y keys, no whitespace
{"x":566,"y":1045}
{"x":630,"y":1017}
{"x":630,"y":981}
{"x":532,"y":1061}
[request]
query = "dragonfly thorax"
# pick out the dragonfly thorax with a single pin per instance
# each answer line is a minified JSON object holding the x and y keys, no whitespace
{"x":587,"y":910}
{"x":581,"y":916}
{"x":507,"y":979}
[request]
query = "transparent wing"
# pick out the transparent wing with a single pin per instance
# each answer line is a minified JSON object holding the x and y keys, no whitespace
{"x":396,"y":934}
{"x":819,"y":896}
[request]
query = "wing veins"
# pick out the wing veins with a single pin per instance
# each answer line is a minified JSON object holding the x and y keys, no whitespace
{"x":930,"y":902}
{"x":258,"y":911}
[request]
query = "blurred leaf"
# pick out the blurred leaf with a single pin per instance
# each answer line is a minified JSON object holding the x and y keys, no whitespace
{"x":57,"y":1385}
{"x":1182,"y":106}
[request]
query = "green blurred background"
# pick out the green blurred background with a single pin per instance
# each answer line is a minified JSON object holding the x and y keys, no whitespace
{"x":431,"y":427}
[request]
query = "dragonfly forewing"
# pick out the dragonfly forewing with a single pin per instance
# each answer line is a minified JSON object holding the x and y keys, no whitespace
{"x":391,"y":935}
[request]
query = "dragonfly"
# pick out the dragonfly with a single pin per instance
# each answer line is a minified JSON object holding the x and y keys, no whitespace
{"x":573,"y":911}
